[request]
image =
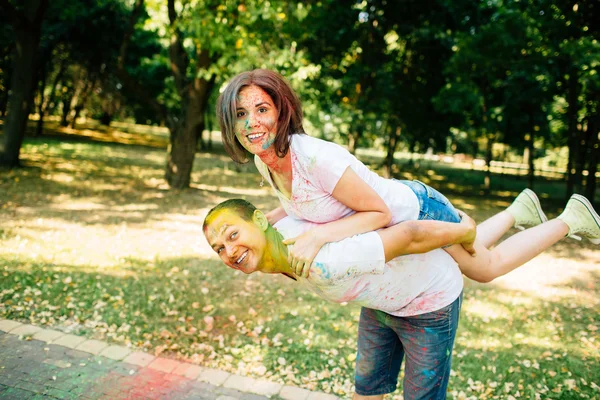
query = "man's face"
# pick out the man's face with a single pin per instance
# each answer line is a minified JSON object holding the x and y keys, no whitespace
{"x":256,"y":120}
{"x":240,"y":244}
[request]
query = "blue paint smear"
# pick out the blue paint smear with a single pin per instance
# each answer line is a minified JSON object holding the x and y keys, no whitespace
{"x":321,"y":270}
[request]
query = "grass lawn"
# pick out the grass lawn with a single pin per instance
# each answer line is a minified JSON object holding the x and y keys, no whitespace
{"x":93,"y":242}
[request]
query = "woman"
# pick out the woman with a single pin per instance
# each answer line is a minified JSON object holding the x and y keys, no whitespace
{"x":321,"y":182}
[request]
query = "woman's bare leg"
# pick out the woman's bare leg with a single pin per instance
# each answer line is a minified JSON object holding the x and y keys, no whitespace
{"x":492,"y":229}
{"x":510,"y":254}
{"x":524,"y":211}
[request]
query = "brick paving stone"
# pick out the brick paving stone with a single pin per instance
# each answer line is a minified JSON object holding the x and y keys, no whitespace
{"x":220,"y":390}
{"x":164,"y":364}
{"x":58,"y":393}
{"x":188,"y":370}
{"x":68,"y":340}
{"x":238,"y":382}
{"x":92,"y":346}
{"x":213,"y":376}
{"x":7,"y":325}
{"x":294,"y":393}
{"x":26,"y":330}
{"x":58,"y":363}
{"x":321,"y":396}
{"x":246,"y":384}
{"x":115,"y":352}
{"x":266,"y":388}
{"x":139,"y":358}
{"x":123,"y":369}
{"x":16,"y":394}
{"x":101,"y":363}
{"x":252,"y":396}
{"x":48,"y":335}
{"x":8,"y":379}
{"x":40,"y":369}
{"x":29,"y":386}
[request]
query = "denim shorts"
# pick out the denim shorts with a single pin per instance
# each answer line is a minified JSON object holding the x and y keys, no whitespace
{"x":426,"y":340}
{"x":434,"y":205}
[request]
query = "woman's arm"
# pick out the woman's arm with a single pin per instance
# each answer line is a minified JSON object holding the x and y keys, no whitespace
{"x":275,"y":215}
{"x":371,"y":214}
{"x":414,"y":237}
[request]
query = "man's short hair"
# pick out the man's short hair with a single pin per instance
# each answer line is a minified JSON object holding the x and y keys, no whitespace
{"x":241,"y":207}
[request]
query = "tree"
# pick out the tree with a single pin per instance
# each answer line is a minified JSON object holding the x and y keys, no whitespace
{"x":26,"y":22}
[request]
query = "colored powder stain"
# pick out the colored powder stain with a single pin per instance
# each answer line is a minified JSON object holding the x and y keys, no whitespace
{"x":267,"y":144}
{"x":429,"y":374}
{"x":447,"y":352}
{"x":321,"y":270}
{"x":429,"y":330}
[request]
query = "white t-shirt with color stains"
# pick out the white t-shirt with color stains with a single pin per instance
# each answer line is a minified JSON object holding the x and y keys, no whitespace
{"x":354,"y":270}
{"x":317,"y":166}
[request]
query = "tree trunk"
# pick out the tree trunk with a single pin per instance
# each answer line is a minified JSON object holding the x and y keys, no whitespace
{"x":530,"y":146}
{"x":4,"y":93}
{"x":42,"y":86}
{"x":106,"y":118}
{"x":353,"y":139}
{"x":66,"y":109}
{"x":487,"y":180}
{"x":392,"y":145}
{"x":531,"y":166}
{"x":593,"y":157}
{"x":184,"y":138}
{"x":27,"y":32}
{"x":82,"y":99}
{"x":50,"y":104}
{"x":573,"y":133}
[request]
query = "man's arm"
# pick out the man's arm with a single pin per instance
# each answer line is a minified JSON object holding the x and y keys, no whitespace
{"x":414,"y":237}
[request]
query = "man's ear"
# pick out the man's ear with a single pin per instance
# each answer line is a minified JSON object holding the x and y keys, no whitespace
{"x":260,"y":219}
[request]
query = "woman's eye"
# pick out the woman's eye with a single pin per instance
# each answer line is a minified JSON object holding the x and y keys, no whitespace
{"x":219,"y":250}
{"x":262,"y":110}
{"x":233,"y":235}
{"x":240,"y":114}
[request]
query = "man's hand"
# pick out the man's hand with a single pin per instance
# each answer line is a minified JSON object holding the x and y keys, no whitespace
{"x":469,"y":238}
{"x":302,"y":251}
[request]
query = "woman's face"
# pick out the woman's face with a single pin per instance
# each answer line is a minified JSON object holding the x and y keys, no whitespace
{"x":256,"y":120}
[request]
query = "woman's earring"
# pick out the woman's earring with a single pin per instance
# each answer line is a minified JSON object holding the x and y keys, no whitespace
{"x":262,"y":181}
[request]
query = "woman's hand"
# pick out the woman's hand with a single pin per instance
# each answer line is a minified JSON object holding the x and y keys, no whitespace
{"x":302,"y":251}
{"x":469,"y":238}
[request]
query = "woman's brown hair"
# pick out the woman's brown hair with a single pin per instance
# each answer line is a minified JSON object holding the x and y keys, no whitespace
{"x":285,"y":100}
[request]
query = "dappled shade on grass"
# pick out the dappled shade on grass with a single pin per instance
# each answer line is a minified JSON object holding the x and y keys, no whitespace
{"x":92,"y":240}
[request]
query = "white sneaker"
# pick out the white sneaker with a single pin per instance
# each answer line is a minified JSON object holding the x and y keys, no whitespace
{"x":582,"y":219}
{"x":526,"y":210}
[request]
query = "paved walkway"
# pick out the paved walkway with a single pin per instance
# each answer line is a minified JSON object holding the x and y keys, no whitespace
{"x":40,"y":363}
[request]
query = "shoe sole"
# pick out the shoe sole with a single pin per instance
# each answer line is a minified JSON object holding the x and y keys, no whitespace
{"x":536,"y":202}
{"x":593,"y":212}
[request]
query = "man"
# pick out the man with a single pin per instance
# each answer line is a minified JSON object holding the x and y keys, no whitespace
{"x":424,"y":290}
{"x":411,"y":303}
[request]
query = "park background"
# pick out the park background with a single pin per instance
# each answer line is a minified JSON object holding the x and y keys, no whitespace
{"x":110,"y":157}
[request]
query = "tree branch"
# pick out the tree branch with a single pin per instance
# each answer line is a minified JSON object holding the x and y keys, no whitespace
{"x":13,"y":14}
{"x":177,"y":54}
{"x":39,"y":13}
{"x":128,"y":82}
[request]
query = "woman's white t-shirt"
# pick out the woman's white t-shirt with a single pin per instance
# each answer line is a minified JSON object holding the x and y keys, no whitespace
{"x":354,"y":270}
{"x":317,"y":166}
